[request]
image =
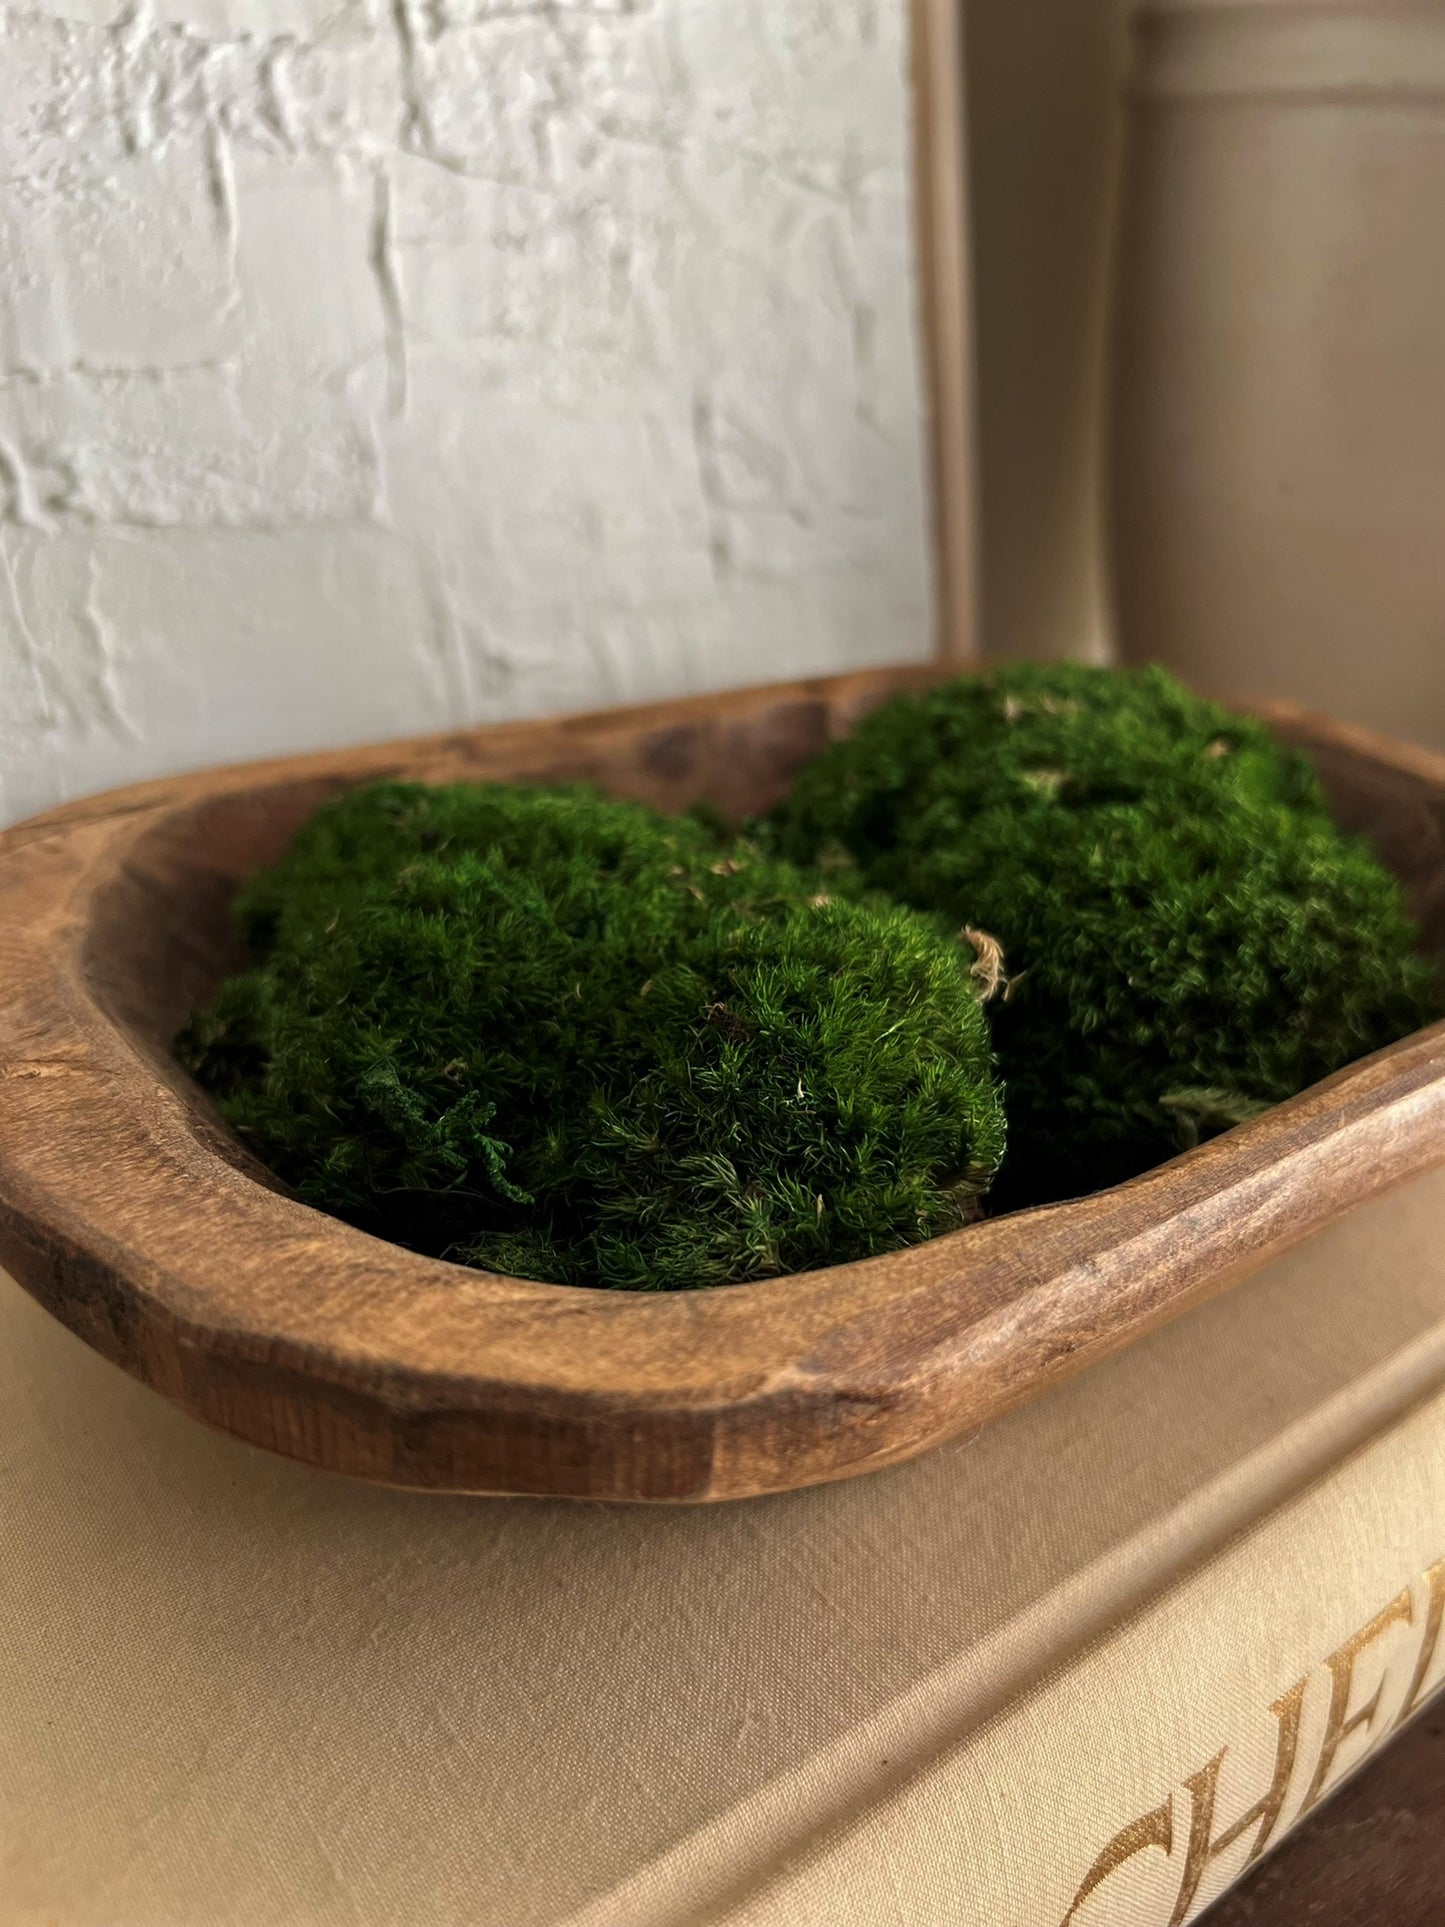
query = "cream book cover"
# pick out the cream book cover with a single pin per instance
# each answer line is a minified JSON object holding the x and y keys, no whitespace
{"x":1072,"y":1668}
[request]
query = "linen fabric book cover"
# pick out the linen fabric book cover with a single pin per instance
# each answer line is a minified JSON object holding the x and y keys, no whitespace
{"x":1084,"y":1660}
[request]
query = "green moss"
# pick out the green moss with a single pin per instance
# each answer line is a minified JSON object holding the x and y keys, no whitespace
{"x":572,"y":1040}
{"x":1188,"y":936}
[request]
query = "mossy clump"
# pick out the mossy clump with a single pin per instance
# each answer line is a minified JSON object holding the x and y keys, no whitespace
{"x":570,"y":1039}
{"x":1187,"y":937}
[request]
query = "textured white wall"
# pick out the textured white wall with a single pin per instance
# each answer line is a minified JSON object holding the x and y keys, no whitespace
{"x":371,"y":365}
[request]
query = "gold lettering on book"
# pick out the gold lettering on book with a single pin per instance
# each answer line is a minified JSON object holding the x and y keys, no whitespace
{"x":1434,"y":1613}
{"x":1341,"y":1664}
{"x":1157,"y":1829}
{"x":1154,"y":1829}
{"x":1263,"y":1816}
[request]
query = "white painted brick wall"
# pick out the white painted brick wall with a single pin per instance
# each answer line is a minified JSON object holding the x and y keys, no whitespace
{"x":372,"y":365}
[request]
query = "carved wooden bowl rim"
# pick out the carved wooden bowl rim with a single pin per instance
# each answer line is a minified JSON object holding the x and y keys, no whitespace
{"x":128,"y":1209}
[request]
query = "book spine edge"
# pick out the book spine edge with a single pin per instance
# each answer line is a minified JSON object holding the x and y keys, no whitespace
{"x":1139,"y":1781}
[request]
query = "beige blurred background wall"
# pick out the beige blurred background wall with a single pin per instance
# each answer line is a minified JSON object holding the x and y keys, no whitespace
{"x":1210,"y":284}
{"x":1278,"y":513}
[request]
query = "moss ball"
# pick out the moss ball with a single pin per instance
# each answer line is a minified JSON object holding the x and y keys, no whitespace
{"x":1187,"y":938}
{"x":570,"y":1039}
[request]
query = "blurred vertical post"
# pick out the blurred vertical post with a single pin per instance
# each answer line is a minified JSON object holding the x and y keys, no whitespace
{"x":1278,"y":447}
{"x":944,"y":262}
{"x":1043,"y":113}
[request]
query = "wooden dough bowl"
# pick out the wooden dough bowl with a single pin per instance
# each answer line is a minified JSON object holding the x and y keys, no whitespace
{"x":129,"y":1210}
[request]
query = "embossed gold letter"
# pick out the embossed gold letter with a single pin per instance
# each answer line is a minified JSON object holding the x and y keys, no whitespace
{"x":1435,"y":1612}
{"x":1338,"y":1728}
{"x":1263,"y":1815}
{"x":1155,"y":1829}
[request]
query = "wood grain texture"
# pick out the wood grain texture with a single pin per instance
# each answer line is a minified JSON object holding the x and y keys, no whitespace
{"x":129,"y":1210}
